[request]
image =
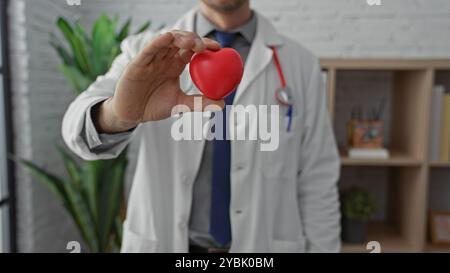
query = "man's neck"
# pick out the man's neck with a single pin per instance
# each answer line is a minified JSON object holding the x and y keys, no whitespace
{"x":227,"y":21}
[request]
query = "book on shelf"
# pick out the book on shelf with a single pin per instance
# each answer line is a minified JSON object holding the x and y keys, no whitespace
{"x":445,"y":129}
{"x":365,"y":153}
{"x":436,"y":122}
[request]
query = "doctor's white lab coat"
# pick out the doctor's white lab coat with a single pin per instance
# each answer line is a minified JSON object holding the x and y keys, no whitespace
{"x":281,"y":201}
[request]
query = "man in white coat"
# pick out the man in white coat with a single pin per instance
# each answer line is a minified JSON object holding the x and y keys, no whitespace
{"x":211,"y":195}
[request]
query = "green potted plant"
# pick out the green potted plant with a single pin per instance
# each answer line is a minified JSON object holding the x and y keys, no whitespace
{"x":93,"y":191}
{"x":357,"y":205}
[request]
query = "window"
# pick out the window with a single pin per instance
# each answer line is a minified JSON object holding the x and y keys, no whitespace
{"x":6,"y":185}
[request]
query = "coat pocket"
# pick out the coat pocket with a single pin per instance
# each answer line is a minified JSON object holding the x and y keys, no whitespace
{"x":282,"y":163}
{"x":136,"y":243}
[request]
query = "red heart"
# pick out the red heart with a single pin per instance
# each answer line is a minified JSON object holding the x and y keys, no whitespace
{"x":217,"y":73}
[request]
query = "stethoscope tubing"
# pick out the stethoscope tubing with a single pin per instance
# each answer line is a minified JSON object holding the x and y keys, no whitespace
{"x":276,"y":60}
{"x":281,"y":94}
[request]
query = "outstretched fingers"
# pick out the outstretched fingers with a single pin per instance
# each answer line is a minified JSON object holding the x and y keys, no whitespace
{"x":167,"y":45}
{"x":158,"y":45}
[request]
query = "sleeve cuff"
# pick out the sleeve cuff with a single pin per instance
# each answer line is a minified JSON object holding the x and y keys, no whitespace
{"x":95,"y":140}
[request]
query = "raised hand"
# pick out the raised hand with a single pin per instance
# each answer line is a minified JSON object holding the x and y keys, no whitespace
{"x":150,"y":85}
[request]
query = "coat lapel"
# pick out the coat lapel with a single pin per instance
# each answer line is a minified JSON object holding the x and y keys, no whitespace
{"x":260,"y":54}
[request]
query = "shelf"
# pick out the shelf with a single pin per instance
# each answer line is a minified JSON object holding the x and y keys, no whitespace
{"x":437,"y":164}
{"x":396,"y":159}
{"x":431,"y":248}
{"x":390,"y":240}
{"x":383,"y":64}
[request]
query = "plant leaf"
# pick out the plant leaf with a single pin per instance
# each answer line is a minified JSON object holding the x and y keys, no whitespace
{"x":82,"y":216}
{"x":79,"y":47}
{"x":77,"y":80}
{"x":72,"y":168}
{"x":103,"y":41}
{"x":144,"y":27}
{"x":61,"y":51}
{"x":110,"y":196}
{"x":65,"y":192}
{"x":92,"y":172}
{"x":80,"y":30}
{"x":53,"y":183}
{"x":118,"y":232}
{"x":123,"y":33}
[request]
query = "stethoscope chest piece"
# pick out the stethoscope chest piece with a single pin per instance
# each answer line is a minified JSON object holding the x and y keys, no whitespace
{"x":284,"y":96}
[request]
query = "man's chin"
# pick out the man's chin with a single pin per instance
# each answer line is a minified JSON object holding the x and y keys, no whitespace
{"x":225,"y":6}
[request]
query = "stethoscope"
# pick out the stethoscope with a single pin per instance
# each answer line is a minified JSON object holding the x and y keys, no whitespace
{"x":283,"y":94}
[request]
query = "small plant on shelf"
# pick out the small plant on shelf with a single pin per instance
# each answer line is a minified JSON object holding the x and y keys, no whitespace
{"x":358,"y":206}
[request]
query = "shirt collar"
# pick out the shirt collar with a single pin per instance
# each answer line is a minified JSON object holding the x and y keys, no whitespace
{"x":204,"y":27}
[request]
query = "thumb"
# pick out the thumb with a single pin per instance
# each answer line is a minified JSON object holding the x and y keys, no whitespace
{"x":199,"y":103}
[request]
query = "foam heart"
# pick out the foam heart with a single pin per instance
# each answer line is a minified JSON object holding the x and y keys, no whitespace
{"x":217,"y":73}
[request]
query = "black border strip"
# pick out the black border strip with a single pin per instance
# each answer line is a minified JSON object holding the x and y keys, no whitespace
{"x":9,"y":124}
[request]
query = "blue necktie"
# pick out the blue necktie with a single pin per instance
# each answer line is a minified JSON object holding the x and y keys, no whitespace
{"x":220,"y":226}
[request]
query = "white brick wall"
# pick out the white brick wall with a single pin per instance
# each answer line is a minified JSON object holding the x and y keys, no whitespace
{"x":330,"y":28}
{"x":40,"y":96}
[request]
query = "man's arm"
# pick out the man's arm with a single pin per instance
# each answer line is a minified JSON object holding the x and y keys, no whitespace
{"x":142,"y":85}
{"x":320,"y":168}
{"x":80,"y":128}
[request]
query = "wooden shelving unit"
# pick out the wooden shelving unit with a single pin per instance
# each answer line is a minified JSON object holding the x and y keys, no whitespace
{"x":405,"y":228}
{"x":390,"y":239}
